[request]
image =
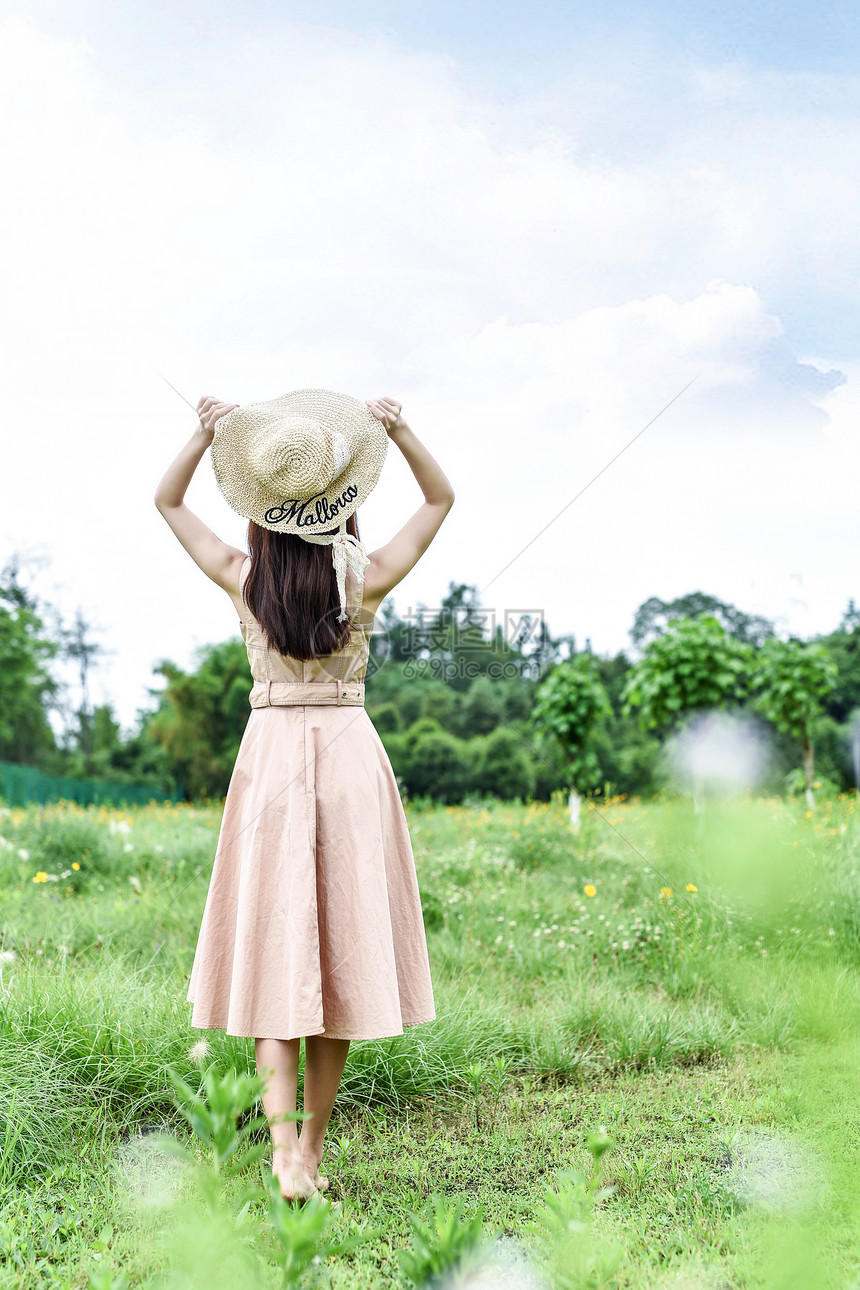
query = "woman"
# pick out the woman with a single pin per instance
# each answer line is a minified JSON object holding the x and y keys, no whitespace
{"x":312,"y":927}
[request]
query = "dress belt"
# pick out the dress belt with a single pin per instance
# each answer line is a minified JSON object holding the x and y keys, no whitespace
{"x":288,"y":694}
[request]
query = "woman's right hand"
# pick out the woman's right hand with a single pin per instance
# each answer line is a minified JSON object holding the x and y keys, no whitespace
{"x":388,"y":411}
{"x":209,"y":410}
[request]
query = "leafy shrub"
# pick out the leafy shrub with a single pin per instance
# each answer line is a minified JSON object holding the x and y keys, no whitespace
{"x":438,"y":765}
{"x":387,"y":719}
{"x":504,"y":767}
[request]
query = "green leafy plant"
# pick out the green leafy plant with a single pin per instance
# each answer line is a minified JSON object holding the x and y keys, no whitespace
{"x":576,"y":1261}
{"x":442,"y":1243}
{"x":475,"y":1077}
{"x":302,"y":1234}
{"x":789,"y":685}
{"x":214,"y":1112}
{"x":495,"y":1076}
{"x":498,"y":1077}
{"x":570,"y":705}
{"x":694,"y":665}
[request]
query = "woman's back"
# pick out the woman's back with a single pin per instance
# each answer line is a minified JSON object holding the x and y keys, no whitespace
{"x":281,"y":680}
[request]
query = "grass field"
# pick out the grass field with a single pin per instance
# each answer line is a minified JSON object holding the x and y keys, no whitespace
{"x":684,"y":988}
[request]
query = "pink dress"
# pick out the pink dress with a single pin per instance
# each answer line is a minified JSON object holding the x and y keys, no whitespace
{"x":313,"y":922}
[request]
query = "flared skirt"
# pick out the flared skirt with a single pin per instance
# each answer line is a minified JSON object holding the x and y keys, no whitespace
{"x":313,"y":922}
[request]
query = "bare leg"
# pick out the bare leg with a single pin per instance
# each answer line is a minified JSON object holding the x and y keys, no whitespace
{"x":281,"y":1057}
{"x":324,"y":1063}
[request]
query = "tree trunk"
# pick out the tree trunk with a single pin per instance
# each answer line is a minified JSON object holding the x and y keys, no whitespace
{"x":809,"y":771}
{"x":574,"y":803}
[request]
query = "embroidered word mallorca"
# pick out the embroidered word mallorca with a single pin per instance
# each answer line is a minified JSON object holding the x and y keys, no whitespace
{"x":322,"y":511}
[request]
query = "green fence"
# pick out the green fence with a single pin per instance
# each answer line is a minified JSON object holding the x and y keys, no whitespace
{"x":21,"y":785}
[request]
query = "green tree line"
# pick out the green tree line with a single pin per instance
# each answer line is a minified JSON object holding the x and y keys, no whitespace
{"x":463,"y":704}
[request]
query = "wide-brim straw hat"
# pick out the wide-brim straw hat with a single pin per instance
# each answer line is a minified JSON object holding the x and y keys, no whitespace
{"x":301,"y":463}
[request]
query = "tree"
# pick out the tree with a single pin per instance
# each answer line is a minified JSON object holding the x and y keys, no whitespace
{"x":77,"y":646}
{"x":789,"y":684}
{"x":202,"y":715}
{"x":26,"y":685}
{"x":570,"y":704}
{"x":694,"y":665}
{"x":843,"y":645}
{"x":654,"y":617}
{"x":438,"y":702}
{"x":483,"y":707}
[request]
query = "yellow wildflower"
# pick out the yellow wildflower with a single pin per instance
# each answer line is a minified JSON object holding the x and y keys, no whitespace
{"x":41,"y":877}
{"x":75,"y":864}
{"x":665,"y":892}
{"x":589,"y":890}
{"x":690,"y":887}
{"x":809,"y":815}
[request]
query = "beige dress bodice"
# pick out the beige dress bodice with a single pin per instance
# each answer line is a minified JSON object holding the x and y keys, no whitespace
{"x":336,"y":679}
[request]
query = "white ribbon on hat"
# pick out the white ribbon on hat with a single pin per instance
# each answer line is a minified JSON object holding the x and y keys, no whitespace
{"x":345,"y":550}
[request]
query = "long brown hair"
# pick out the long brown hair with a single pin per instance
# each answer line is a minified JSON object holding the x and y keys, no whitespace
{"x":291,"y":590}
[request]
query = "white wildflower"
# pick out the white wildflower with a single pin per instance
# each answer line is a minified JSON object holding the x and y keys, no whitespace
{"x":197,"y":1052}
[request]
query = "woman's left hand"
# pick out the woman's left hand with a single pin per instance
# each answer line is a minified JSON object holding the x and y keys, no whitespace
{"x":388,"y":411}
{"x":209,"y":410}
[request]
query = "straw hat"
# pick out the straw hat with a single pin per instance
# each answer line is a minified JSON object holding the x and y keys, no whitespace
{"x":301,"y":464}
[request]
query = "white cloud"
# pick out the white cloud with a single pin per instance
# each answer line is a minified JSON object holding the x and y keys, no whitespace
{"x":340,"y":211}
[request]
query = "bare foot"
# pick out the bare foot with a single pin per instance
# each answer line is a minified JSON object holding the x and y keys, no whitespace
{"x":293,"y":1177}
{"x":312,"y":1168}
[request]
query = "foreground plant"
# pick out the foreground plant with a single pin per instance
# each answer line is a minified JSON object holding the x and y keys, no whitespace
{"x":446,"y":1242}
{"x":576,"y":1260}
{"x":302,"y":1233}
{"x":214,"y":1112}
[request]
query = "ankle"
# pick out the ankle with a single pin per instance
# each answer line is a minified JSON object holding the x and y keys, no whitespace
{"x":310,"y":1150}
{"x":290,"y":1148}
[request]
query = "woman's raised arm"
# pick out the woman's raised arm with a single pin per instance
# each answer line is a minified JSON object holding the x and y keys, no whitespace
{"x":391,"y":563}
{"x":218,"y":560}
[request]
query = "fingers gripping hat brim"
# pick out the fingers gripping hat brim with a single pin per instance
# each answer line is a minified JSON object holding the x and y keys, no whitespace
{"x":300,"y":511}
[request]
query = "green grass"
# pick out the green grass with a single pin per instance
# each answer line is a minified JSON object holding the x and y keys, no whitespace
{"x":710,"y":1031}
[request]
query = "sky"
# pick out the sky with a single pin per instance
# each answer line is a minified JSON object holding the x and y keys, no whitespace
{"x":540,"y":227}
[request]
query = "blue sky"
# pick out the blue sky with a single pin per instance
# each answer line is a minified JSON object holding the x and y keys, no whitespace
{"x":503,"y":38}
{"x":621,"y":84}
{"x":532,"y":224}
